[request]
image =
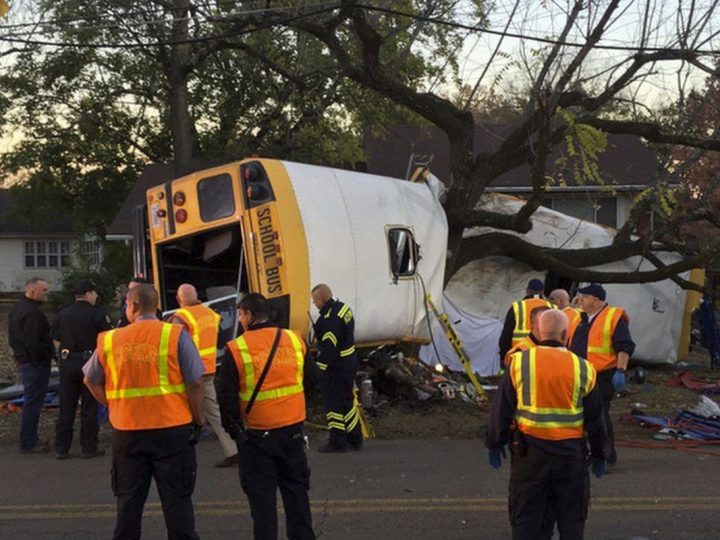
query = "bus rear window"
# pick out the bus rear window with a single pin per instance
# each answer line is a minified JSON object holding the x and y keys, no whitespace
{"x":215,"y":196}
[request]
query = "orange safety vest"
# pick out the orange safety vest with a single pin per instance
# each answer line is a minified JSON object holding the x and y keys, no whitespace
{"x":281,"y":399}
{"x":144,"y":386}
{"x":551,"y":383}
{"x":573,"y":316}
{"x":203,"y":324}
{"x":522,"y":310}
{"x":600,"y":351}
{"x":524,"y":344}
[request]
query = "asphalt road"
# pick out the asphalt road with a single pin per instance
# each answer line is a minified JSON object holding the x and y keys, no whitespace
{"x":440,"y":489}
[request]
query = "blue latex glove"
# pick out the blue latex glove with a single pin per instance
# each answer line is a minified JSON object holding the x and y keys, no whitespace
{"x":618,"y":380}
{"x":599,"y":467}
{"x":495,"y":457}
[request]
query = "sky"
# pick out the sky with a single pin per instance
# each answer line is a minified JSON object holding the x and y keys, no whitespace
{"x":546,"y":19}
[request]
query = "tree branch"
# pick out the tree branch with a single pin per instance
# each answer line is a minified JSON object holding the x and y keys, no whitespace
{"x":650,"y":132}
{"x":557,"y":260}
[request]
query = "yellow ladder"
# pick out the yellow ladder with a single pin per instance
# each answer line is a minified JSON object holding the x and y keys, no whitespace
{"x":457,"y":345}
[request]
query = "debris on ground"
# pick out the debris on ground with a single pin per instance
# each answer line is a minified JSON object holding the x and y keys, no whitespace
{"x":685,"y":378}
{"x":700,"y":423}
{"x":394,"y":376}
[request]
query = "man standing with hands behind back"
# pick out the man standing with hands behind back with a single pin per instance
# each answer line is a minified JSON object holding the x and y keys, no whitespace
{"x":29,"y":336}
{"x":149,"y":374}
{"x":546,"y":406}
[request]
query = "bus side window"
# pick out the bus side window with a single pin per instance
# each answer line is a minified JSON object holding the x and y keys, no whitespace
{"x":215,"y":197}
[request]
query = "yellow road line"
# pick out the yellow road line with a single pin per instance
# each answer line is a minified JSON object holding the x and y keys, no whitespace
{"x":386,"y":501}
{"x":361,"y":506}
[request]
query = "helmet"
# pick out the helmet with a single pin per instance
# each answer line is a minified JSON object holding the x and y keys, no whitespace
{"x":637,"y":375}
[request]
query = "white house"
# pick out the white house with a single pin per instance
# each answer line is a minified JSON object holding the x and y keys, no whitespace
{"x":44,"y":249}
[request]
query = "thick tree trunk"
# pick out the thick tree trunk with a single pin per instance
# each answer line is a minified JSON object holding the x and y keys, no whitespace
{"x":178,"y":71}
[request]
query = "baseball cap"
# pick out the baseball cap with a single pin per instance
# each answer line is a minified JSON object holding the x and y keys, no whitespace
{"x":84,"y":286}
{"x":535,"y":285}
{"x":594,"y":289}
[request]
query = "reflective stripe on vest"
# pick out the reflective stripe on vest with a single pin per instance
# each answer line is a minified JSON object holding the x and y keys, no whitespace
{"x":606,"y":347}
{"x":528,"y":413}
{"x":250,"y":372}
{"x":196,"y":332}
{"x":522,"y":316}
{"x":164,"y":387}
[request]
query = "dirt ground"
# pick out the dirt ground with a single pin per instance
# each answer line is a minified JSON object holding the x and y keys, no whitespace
{"x":434,"y":419}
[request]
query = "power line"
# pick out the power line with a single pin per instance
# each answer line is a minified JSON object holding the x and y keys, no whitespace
{"x":434,"y":20}
{"x":203,"y":39}
{"x":515,"y":35}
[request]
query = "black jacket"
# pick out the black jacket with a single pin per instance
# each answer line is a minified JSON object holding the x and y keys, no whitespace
{"x":29,"y":332}
{"x":335,"y":333}
{"x":78,"y":325}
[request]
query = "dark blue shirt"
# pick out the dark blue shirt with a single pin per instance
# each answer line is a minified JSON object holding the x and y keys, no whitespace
{"x":621,"y":339}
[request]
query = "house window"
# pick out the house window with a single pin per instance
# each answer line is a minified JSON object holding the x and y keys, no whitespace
{"x":92,"y":251}
{"x":64,"y":254}
{"x":403,"y":252}
{"x":47,"y":254}
{"x":602,"y":211}
{"x":30,"y":254}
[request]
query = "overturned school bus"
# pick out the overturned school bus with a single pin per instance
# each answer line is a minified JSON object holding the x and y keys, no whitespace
{"x":278,"y":228}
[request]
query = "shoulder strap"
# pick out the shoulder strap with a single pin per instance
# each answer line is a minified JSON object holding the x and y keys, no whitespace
{"x":264,"y":372}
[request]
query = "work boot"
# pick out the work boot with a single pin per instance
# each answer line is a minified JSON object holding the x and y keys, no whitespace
{"x":230,"y":461}
{"x":328,"y":448}
{"x":93,"y":454}
{"x":41,"y":447}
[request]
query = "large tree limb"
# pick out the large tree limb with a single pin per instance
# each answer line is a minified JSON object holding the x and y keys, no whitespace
{"x":684,"y":283}
{"x":650,"y":132}
{"x":568,"y":263}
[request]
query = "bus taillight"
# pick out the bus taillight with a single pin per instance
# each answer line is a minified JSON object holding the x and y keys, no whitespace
{"x":179,"y":198}
{"x":181,"y":216}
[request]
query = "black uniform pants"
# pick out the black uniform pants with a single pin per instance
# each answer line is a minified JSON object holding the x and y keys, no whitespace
{"x":545,"y":489}
{"x":343,"y":417}
{"x":270,"y":460}
{"x":167,"y":456}
{"x":607,"y":392}
{"x":72,"y":388}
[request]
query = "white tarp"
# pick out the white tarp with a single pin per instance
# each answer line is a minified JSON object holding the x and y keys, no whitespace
{"x":479,"y":335}
{"x":488,"y":286}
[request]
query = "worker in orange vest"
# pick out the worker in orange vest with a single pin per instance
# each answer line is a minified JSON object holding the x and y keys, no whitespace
{"x":532,"y":339}
{"x":603,"y":337}
{"x":149,"y":375}
{"x":262,"y":403}
{"x":202,"y":323}
{"x":517,"y":320}
{"x":547,"y":403}
{"x":561,"y":299}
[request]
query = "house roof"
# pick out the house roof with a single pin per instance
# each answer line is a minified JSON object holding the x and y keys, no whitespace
{"x":626,"y":161}
{"x":14,"y":220}
{"x":153,"y":175}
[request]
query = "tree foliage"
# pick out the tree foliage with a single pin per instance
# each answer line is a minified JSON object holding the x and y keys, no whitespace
{"x":196,"y":79}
